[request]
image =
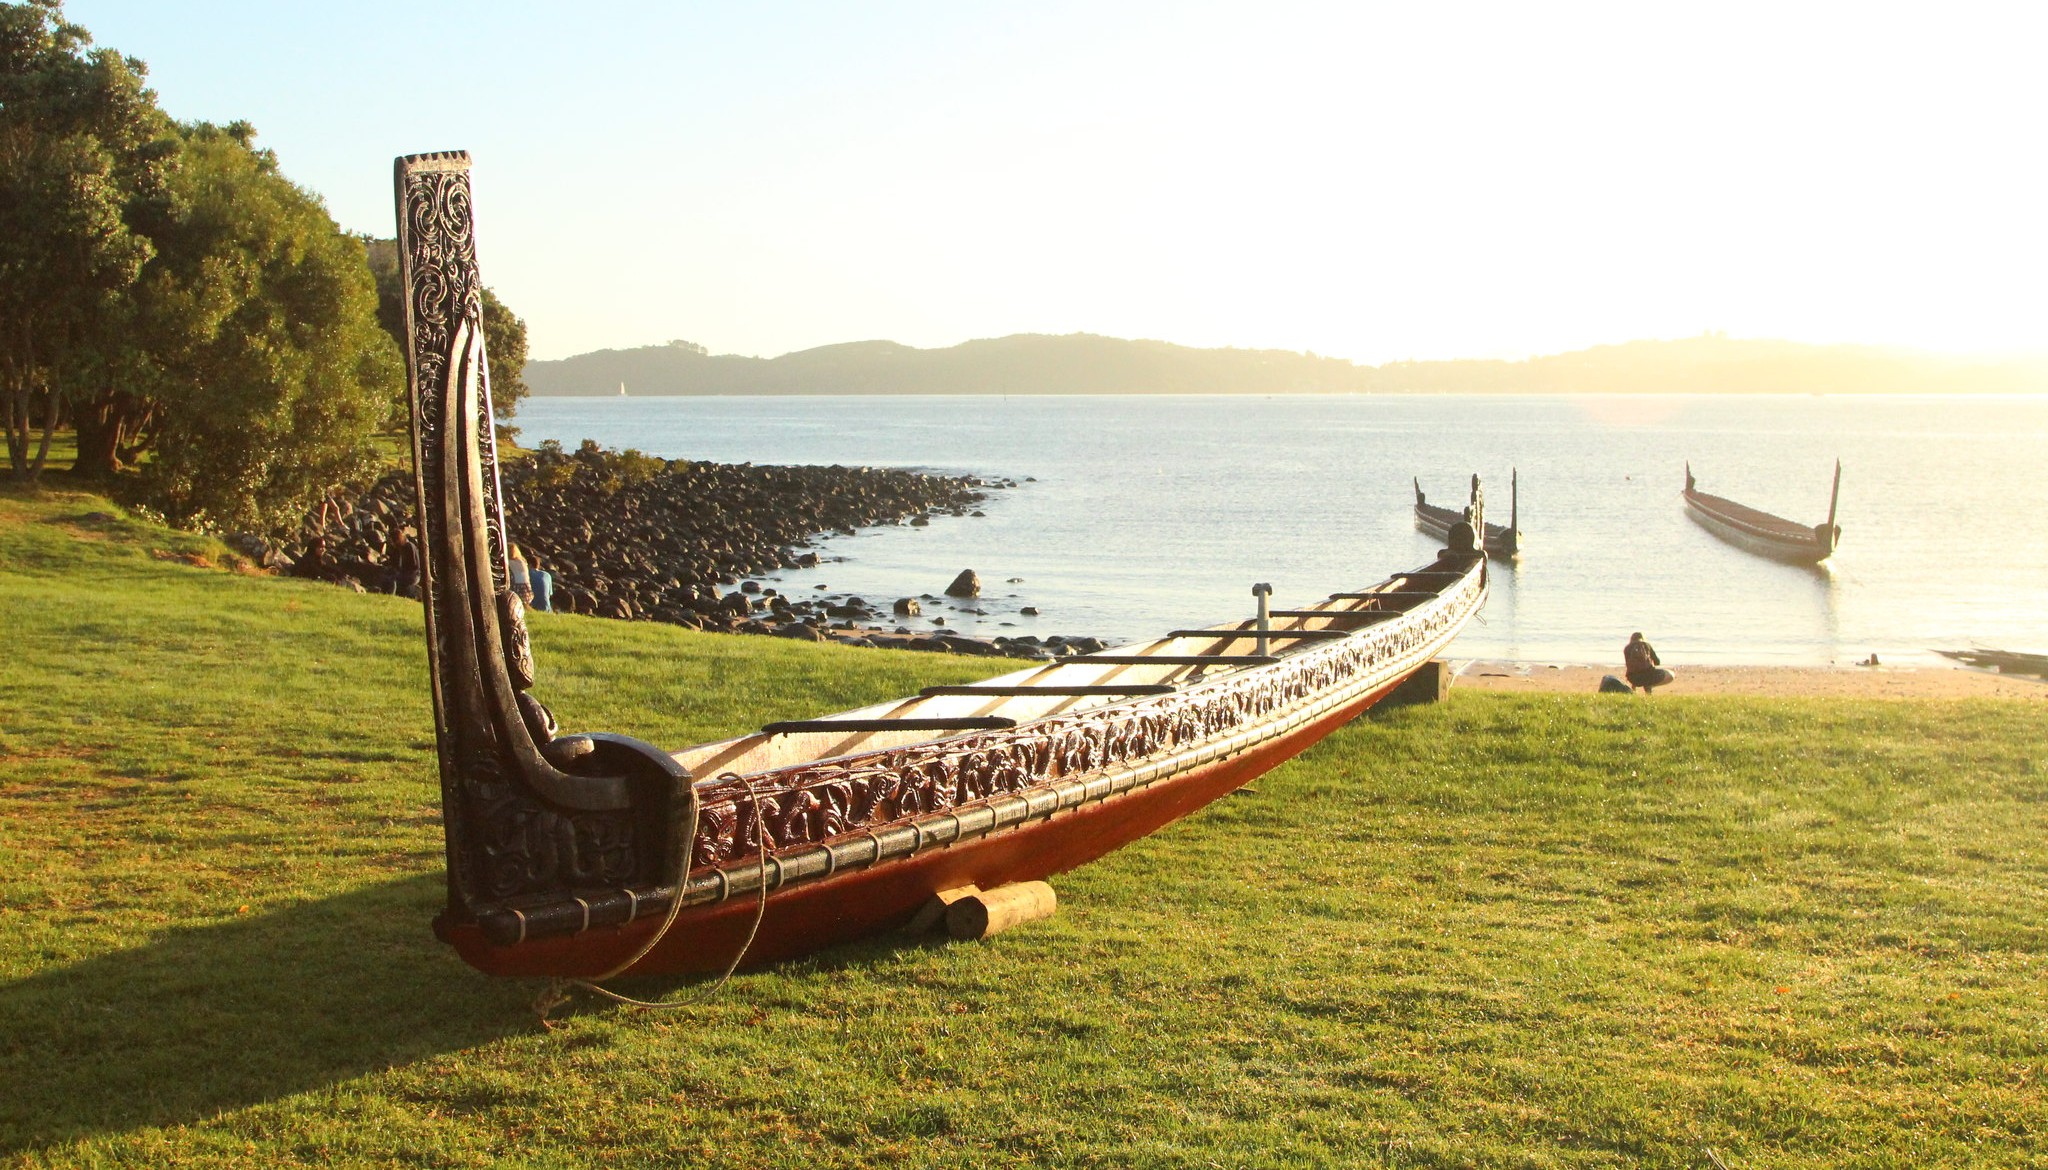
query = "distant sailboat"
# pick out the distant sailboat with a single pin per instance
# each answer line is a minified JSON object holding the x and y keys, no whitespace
{"x":622,"y":390}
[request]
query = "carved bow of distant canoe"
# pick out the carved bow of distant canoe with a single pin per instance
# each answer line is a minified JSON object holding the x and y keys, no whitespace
{"x":591,"y":854}
{"x":1503,"y":542}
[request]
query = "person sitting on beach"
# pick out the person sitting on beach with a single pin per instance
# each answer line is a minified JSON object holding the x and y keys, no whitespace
{"x":1644,"y":668}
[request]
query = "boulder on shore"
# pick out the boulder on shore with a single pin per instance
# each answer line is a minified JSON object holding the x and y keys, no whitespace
{"x":967,"y":584}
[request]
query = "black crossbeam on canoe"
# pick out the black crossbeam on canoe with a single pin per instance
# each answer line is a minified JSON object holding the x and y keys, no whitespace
{"x":1418,"y":597}
{"x":962,"y":723}
{"x":1336,"y":613}
{"x":1172,"y":659}
{"x":1427,"y":575}
{"x":1253,"y":632}
{"x":1050,"y":689}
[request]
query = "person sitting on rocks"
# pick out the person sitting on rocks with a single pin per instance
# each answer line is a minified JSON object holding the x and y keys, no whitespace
{"x":542,"y":583}
{"x":402,"y":559}
{"x":518,"y":576}
{"x":312,"y":563}
{"x":1645,"y":670}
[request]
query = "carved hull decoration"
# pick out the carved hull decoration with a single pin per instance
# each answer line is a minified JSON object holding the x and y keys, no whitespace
{"x":591,"y":855}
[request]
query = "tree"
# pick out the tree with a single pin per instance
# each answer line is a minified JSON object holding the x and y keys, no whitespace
{"x":504,"y":332}
{"x":505,"y":342}
{"x":263,"y":358}
{"x":84,"y":154}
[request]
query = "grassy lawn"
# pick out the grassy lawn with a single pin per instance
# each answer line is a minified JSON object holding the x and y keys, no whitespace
{"x":1504,"y":931}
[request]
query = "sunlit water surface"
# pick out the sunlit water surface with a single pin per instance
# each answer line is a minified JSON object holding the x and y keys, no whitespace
{"x":1147,"y":512}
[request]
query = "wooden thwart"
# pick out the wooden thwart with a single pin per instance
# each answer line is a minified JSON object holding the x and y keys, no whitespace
{"x":1375,"y":614}
{"x":1249,"y":634}
{"x":1052,"y":689}
{"x":962,"y":723}
{"x":1173,"y":659}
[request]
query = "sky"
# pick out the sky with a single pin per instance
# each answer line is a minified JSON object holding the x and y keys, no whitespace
{"x":1378,"y":182}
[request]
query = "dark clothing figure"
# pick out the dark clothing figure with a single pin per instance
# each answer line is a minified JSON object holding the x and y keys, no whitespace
{"x":403,"y":559}
{"x":313,"y":562}
{"x":1644,"y":669}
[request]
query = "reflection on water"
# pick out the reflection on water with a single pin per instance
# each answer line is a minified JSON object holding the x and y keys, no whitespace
{"x":1152,"y":511}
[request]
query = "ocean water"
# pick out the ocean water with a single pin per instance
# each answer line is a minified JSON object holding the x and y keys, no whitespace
{"x":1134,"y":514}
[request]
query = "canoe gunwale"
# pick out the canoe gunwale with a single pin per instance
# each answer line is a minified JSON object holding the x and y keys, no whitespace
{"x":727,"y":794}
{"x":702,"y":888}
{"x":1754,"y":521}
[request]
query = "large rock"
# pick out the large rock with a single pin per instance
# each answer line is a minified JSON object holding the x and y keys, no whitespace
{"x":967,"y":584}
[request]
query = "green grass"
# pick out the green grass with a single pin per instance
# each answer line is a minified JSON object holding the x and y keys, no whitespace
{"x":1504,"y":930}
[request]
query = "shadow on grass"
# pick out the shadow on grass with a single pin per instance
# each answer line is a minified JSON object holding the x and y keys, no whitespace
{"x":863,"y":956}
{"x":218,"y":1017}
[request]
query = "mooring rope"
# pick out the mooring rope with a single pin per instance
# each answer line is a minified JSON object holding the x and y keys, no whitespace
{"x":557,"y":991}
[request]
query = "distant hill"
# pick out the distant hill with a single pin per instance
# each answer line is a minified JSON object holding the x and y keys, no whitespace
{"x":1083,"y":363}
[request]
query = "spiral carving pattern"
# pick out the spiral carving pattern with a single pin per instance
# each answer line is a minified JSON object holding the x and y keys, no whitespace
{"x":504,"y":840}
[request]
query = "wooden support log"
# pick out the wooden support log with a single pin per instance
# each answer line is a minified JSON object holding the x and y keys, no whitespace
{"x":933,"y":912}
{"x":991,"y":912}
{"x":1430,"y":684}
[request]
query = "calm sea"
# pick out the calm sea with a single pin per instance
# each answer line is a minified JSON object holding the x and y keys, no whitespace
{"x":1133,"y":514}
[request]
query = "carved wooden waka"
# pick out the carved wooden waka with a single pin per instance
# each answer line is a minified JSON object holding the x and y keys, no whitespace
{"x":581,"y":855}
{"x":1502,"y":543}
{"x":1761,"y":532}
{"x":2002,"y":661}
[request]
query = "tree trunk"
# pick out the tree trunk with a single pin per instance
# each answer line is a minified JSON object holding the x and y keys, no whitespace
{"x":99,"y":438}
{"x":21,"y":428}
{"x":50,"y":415}
{"x":17,"y":436}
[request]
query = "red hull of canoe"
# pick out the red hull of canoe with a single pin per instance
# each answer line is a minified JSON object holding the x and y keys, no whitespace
{"x":804,"y":918}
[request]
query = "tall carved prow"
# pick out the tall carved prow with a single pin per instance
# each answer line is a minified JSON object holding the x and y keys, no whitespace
{"x":538,"y":826}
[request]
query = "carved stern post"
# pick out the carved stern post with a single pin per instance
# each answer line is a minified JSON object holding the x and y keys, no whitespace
{"x":547,"y":834}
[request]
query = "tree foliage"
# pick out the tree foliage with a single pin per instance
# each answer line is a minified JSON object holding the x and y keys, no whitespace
{"x":504,"y":332}
{"x":505,"y":342}
{"x":263,"y":354}
{"x":84,"y":158}
{"x":168,"y":292}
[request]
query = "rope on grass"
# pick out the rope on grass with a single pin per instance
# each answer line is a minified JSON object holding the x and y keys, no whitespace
{"x":557,"y":990}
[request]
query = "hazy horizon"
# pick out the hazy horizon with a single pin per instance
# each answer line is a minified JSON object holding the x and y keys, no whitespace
{"x":1382,"y":184}
{"x":2037,"y":354}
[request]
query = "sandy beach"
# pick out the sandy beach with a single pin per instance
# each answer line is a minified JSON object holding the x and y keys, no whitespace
{"x":1847,"y":682}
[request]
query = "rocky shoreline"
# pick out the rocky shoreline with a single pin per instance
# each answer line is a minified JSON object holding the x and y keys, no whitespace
{"x":632,"y":537}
